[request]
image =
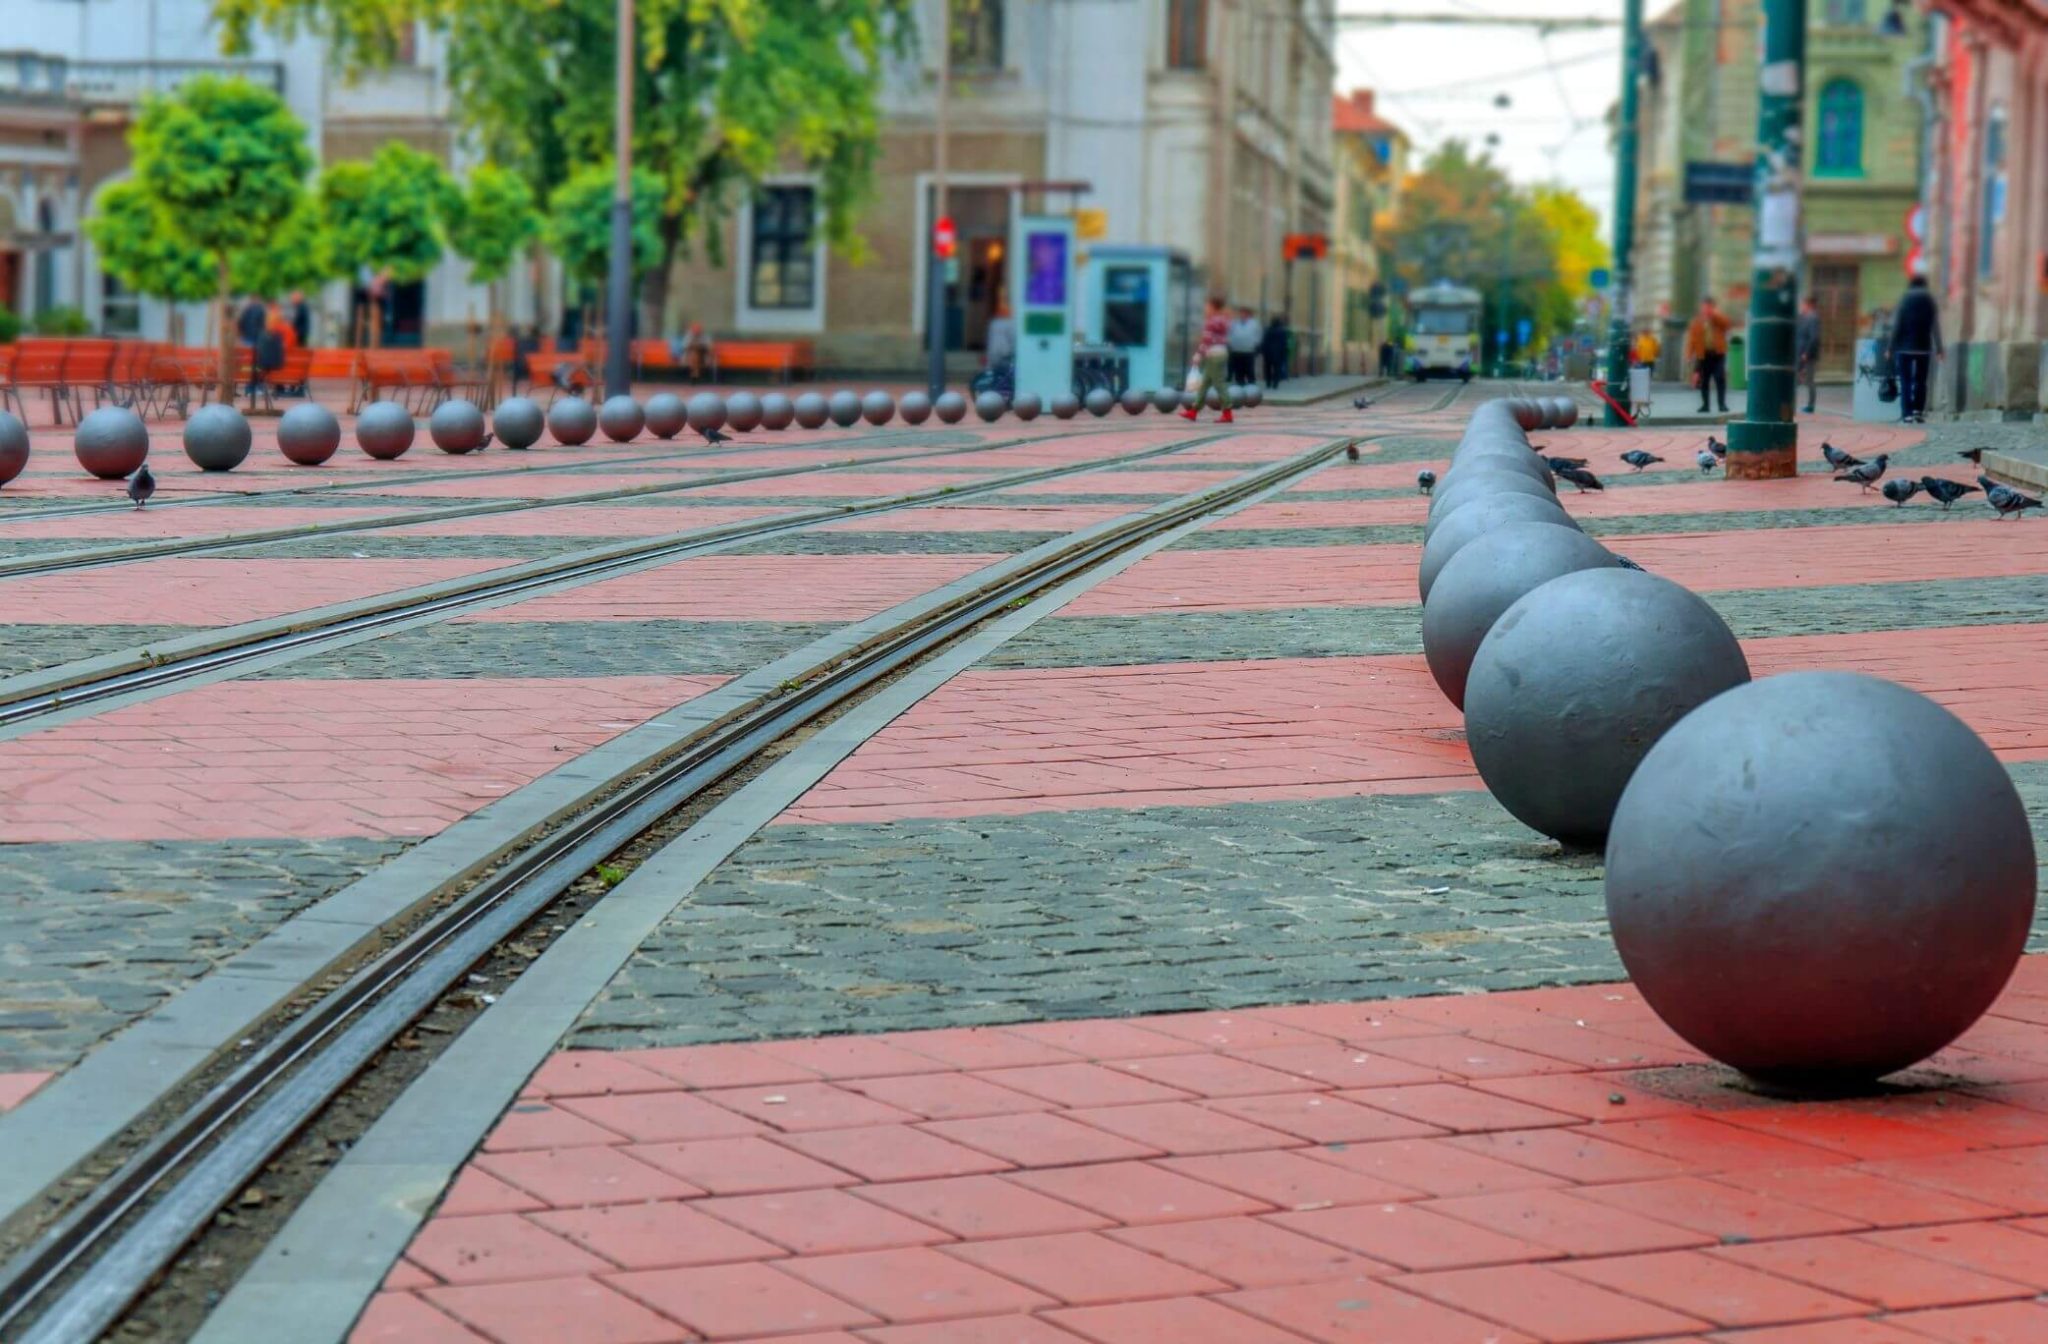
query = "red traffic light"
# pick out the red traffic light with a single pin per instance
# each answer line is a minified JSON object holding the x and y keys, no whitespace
{"x":944,"y":240}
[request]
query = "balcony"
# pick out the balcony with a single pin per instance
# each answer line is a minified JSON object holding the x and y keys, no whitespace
{"x":38,"y":78}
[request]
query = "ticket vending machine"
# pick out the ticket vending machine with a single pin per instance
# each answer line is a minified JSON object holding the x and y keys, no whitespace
{"x":1042,"y":282}
{"x":1137,"y":299}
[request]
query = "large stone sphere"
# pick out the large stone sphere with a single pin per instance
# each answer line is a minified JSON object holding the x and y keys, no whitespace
{"x":706,"y":412}
{"x":877,"y":407}
{"x":743,"y":412}
{"x":1065,"y":406}
{"x":384,"y":430}
{"x":111,"y":442}
{"x":844,"y":408}
{"x":811,"y":410}
{"x":1166,"y":399}
{"x":1564,"y":413}
{"x":665,"y":415}
{"x":621,"y":418}
{"x":1465,"y":526}
{"x":1026,"y":406}
{"x":1134,"y":401}
{"x":1099,"y":401}
{"x":13,"y":447}
{"x":1577,"y":681}
{"x":1458,"y":491}
{"x":457,"y":427}
{"x":217,"y":438}
{"x":1526,"y":412}
{"x":572,"y":420}
{"x":1486,"y":578}
{"x":951,"y":407}
{"x":1254,"y":395}
{"x":914,"y":407}
{"x":776,"y":411}
{"x":517,"y":422}
{"x":1518,"y":458}
{"x":1820,"y":878}
{"x":990,"y":406}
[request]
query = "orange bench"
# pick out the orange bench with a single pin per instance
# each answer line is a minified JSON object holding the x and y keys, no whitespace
{"x":783,"y":358}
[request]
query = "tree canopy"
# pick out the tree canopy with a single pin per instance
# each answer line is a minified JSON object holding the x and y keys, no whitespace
{"x":579,"y":225}
{"x":384,"y":214}
{"x":491,"y":221}
{"x":138,"y":247}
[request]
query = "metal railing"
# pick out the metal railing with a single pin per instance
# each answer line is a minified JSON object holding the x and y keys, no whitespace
{"x":39,"y":77}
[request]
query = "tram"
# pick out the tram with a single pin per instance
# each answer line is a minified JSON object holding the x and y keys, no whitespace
{"x":1443,"y":331}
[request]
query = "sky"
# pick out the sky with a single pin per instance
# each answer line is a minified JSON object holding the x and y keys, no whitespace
{"x":1439,"y":82}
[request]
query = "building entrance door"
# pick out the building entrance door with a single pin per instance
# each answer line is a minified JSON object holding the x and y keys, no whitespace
{"x":1836,"y":291}
{"x":981,"y":222}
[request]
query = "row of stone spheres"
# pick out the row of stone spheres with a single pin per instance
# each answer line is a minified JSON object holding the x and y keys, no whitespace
{"x":1818,"y":878}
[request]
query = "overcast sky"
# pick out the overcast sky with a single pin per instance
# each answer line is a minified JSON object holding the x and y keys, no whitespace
{"x":1439,"y":82}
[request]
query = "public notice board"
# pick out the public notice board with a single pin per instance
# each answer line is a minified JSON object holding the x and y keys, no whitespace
{"x":1720,"y":183}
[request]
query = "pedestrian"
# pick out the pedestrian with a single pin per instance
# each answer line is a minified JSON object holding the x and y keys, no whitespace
{"x":1002,"y":337}
{"x":301,"y":318}
{"x":1273,"y":349}
{"x":250,"y":325}
{"x":1646,"y":349}
{"x":1706,"y":349}
{"x":1211,"y":353}
{"x":1806,"y":349}
{"x":1916,"y":342}
{"x":1245,"y":335}
{"x":1387,"y":366}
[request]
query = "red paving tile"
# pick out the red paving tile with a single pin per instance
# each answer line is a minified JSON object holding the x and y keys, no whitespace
{"x":1084,"y":1267}
{"x":656,"y":1235}
{"x":1366,"y":1311}
{"x":1136,"y":1193}
{"x":1547,"y":1304}
{"x":1996,"y":1323}
{"x":598,"y":1174}
{"x":978,"y":1208}
{"x":402,"y":1318}
{"x":916,"y":1285}
{"x":745,"y":1166}
{"x":735,"y":587}
{"x":201,"y":590}
{"x":821,"y":1222}
{"x":15,"y":1088}
{"x":496,"y":1248}
{"x":1411,"y":1237}
{"x":1175,"y":1321}
{"x":1712,"y":1289}
{"x":1563,"y":1222}
{"x":1883,"y":1276}
{"x":735,"y":1301}
{"x":1249,"y":1252}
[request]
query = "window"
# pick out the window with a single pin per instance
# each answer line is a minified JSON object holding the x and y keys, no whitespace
{"x":1187,"y":34}
{"x":978,"y":34}
{"x":120,"y":308}
{"x":784,"y":258}
{"x":1840,"y":146}
{"x":1846,"y":13}
{"x":1994,"y":191}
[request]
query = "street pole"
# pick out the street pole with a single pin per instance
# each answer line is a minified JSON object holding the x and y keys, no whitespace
{"x":618,"y":325}
{"x":1622,"y":296}
{"x":1764,"y":444}
{"x":935,"y":284}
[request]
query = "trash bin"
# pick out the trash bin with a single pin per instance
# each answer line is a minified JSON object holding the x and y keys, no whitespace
{"x":1738,"y":365}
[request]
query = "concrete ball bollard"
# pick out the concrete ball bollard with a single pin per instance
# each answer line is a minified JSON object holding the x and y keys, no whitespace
{"x":1465,"y":526}
{"x":990,"y":406}
{"x":1487,"y":577}
{"x":742,"y":412}
{"x":111,"y":442}
{"x":1820,"y":878}
{"x":1099,"y":401}
{"x":1166,"y":400}
{"x":1026,"y":406}
{"x":457,"y":427}
{"x":811,"y":410}
{"x":572,"y":420}
{"x":914,"y":407}
{"x":1134,"y":401}
{"x":517,"y":422}
{"x":844,"y":408}
{"x":1458,"y":492}
{"x":13,"y":447}
{"x":1576,"y":682}
{"x":951,"y":407}
{"x":665,"y":415}
{"x":777,"y":411}
{"x":217,"y":438}
{"x":877,"y":408}
{"x":621,"y":418}
{"x":1064,"y":406}
{"x":384,"y":430}
{"x":705,"y":412}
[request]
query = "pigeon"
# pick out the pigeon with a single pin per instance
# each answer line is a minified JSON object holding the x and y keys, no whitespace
{"x":1427,"y":480}
{"x":1716,"y":447}
{"x":1627,"y":563}
{"x":1975,"y":455}
{"x":486,"y":441}
{"x":1351,"y":450}
{"x":1361,"y":403}
{"x":1580,"y":477}
{"x":1865,"y":474}
{"x":2005,"y":499}
{"x":715,"y":436}
{"x":1707,"y":462}
{"x":141,"y":485}
{"x":1838,"y":459}
{"x":1899,"y":489}
{"x":1639,"y":459}
{"x":1560,"y":463}
{"x":1945,"y":491}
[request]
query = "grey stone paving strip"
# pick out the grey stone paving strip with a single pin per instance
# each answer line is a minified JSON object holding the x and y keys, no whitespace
{"x":321,"y":1268}
{"x":82,"y":1108}
{"x":95,"y":936}
{"x":561,"y":649}
{"x":26,"y":648}
{"x":912,"y":924}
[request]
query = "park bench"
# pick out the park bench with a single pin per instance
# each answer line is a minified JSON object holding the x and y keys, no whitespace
{"x":783,"y":358}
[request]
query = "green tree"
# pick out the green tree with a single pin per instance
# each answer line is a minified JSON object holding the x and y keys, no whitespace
{"x":579,"y":224}
{"x":137,"y":246}
{"x":489,"y":223}
{"x":384,"y":214}
{"x":300,"y":255}
{"x":224,"y":163}
{"x":726,"y":91}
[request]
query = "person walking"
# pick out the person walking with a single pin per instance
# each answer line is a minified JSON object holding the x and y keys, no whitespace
{"x":1273,"y":349}
{"x":1916,"y":342}
{"x":1806,"y":350}
{"x":1211,"y":353}
{"x":1245,"y":335}
{"x":301,"y":318}
{"x":1706,"y":349}
{"x":1387,"y":366}
{"x":250,"y":325}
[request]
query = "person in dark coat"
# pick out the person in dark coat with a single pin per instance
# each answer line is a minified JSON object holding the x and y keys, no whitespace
{"x":1806,"y":350}
{"x":1388,"y":368}
{"x":250,"y":325}
{"x":301,"y":318}
{"x":1273,"y":350}
{"x":1916,"y":343}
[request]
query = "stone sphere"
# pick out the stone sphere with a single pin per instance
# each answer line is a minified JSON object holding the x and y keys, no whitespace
{"x":13,"y":447}
{"x":1213,"y":399}
{"x":457,"y":427}
{"x":877,"y":408}
{"x":844,"y":408}
{"x":1526,"y":412}
{"x":742,"y":412}
{"x":990,"y":406}
{"x":1577,"y":681}
{"x":384,"y":430}
{"x":1064,"y":406}
{"x":1517,"y":457}
{"x":665,"y":415}
{"x":811,"y":410}
{"x":1026,"y":406}
{"x":706,"y":412}
{"x":1820,"y":878}
{"x":1564,"y":413}
{"x":1458,"y":491}
{"x":1254,"y":395}
{"x":217,"y":438}
{"x":572,"y":420}
{"x":914,"y":407}
{"x":1099,"y":401}
{"x":951,"y":407}
{"x":1465,"y":526}
{"x":777,"y":411}
{"x":621,"y":418}
{"x":111,"y":442}
{"x":1486,"y":578}
{"x":1166,"y":399}
{"x":1134,"y":401}
{"x":518,"y":422}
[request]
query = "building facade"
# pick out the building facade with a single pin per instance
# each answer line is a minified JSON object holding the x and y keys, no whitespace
{"x":1371,"y":159}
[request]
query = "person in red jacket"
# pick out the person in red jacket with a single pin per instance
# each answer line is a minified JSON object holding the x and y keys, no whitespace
{"x":1212,"y":351}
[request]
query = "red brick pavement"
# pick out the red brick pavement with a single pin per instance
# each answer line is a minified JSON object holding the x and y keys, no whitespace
{"x":750,"y":587}
{"x":987,"y":518}
{"x":589,"y":520}
{"x":200,"y":590}
{"x":1550,"y":1165}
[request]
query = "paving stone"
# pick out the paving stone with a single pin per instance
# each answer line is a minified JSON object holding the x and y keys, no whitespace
{"x":560,"y":649}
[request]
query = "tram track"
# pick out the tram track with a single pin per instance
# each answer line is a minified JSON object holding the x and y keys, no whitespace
{"x":84,"y":1269}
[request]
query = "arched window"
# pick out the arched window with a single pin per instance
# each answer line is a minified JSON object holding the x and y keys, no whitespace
{"x":1840,"y":144}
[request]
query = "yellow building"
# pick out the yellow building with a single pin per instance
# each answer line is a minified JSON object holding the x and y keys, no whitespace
{"x":1371,"y":159}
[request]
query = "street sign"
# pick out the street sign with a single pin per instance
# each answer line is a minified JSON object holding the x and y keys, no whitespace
{"x":1598,"y":277}
{"x":1090,"y":222}
{"x":1500,"y":339}
{"x":1720,"y":183}
{"x":944,"y":240}
{"x":1523,"y":328}
{"x":1305,"y":247}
